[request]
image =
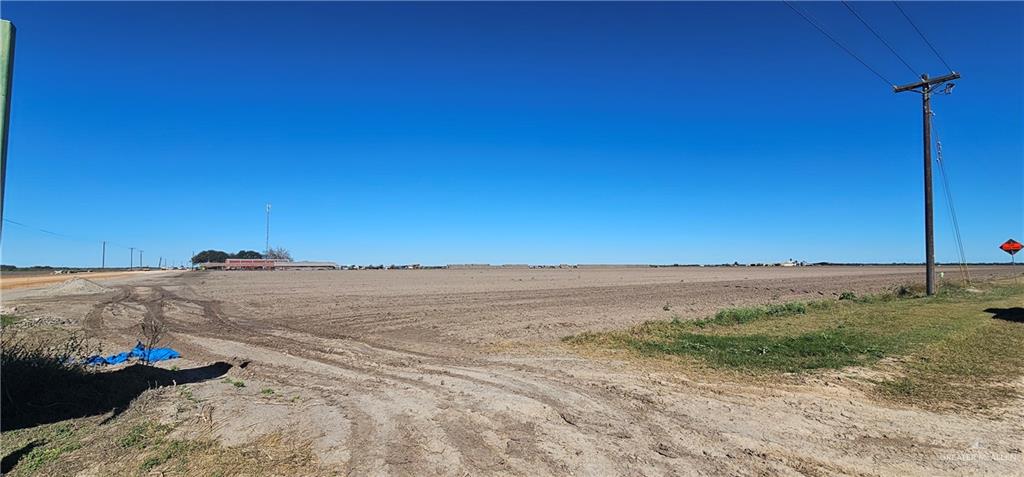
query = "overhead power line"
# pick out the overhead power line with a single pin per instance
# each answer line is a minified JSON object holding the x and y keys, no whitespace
{"x":921,"y":34}
{"x":965,"y":273}
{"x":63,"y":236}
{"x":850,"y":52}
{"x":48,"y":232}
{"x":873,"y":32}
{"x":102,"y":243}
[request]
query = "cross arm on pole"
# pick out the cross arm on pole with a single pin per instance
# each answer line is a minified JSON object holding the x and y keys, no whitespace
{"x":925,"y":81}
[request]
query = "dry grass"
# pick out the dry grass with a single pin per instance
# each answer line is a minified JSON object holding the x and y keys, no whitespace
{"x":137,"y":443}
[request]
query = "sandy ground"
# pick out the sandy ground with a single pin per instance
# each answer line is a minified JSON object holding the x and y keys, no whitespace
{"x":10,"y":281}
{"x":460,"y":372}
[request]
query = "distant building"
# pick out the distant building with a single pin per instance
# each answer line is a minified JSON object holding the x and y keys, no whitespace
{"x":282,"y":265}
{"x":264,"y":264}
{"x":248,"y":264}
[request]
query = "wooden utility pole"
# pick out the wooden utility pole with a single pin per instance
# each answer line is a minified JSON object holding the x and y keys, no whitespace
{"x":103,"y":261}
{"x":924,"y":87}
{"x":131,"y":258}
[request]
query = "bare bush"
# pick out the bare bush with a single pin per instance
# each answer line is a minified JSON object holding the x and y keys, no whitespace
{"x":278,"y":253}
{"x":152,"y":333}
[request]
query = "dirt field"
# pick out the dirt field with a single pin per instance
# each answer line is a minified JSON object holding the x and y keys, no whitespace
{"x":11,"y":281}
{"x":461,"y":372}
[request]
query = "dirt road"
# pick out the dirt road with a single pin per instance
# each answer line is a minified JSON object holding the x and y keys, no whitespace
{"x":461,"y":372}
{"x":11,"y":281}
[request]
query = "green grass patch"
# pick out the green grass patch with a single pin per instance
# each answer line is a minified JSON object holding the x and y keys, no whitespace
{"x":971,"y":367}
{"x":172,"y":450}
{"x":8,"y":320}
{"x":41,"y":456}
{"x":733,"y":316}
{"x":833,"y":348}
{"x":48,"y":445}
{"x":143,"y":435}
{"x":953,"y":351}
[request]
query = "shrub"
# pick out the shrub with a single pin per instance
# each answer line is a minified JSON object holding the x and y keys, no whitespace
{"x":152,"y":329}
{"x":908,"y":291}
{"x":748,"y":314}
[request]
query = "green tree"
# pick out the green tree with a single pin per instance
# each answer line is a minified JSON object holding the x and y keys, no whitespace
{"x":247,"y":254}
{"x":212,"y":256}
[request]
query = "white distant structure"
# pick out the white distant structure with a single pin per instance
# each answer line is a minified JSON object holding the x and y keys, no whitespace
{"x":265,"y":264}
{"x":789,"y":263}
{"x":304,"y":265}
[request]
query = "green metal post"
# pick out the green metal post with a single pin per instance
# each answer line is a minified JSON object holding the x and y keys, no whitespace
{"x":6,"y":78}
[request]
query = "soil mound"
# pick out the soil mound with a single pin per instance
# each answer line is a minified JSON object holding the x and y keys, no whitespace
{"x":75,"y":286}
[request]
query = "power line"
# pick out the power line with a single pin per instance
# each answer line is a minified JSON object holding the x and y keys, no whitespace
{"x":103,"y":243}
{"x":949,"y":202}
{"x":838,"y":43}
{"x":49,"y":232}
{"x":873,"y":32}
{"x":921,"y":34}
{"x":64,"y":236}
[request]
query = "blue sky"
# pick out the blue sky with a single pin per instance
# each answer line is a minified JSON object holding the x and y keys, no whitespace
{"x":505,"y":133}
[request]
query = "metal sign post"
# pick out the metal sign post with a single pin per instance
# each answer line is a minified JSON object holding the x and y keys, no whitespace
{"x":7,"y":32}
{"x":1012,"y":247}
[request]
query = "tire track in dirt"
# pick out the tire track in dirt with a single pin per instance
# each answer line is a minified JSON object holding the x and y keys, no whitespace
{"x":473,"y":382}
{"x":486,"y":382}
{"x":423,"y":401}
{"x":363,"y":427}
{"x":469,"y":380}
{"x":93,"y":321}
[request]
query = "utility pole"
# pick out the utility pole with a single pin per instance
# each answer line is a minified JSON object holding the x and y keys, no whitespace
{"x":924,"y":87}
{"x":131,"y":258}
{"x":103,"y":261}
{"x":266,"y":250}
{"x":140,"y":258}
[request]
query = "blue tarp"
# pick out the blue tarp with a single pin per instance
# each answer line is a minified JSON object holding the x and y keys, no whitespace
{"x":138,"y":352}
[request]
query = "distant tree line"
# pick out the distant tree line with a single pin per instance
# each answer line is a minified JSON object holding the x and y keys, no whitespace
{"x":218,"y":256}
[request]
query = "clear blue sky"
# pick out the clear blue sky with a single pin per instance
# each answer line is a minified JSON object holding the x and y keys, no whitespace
{"x":505,"y":133}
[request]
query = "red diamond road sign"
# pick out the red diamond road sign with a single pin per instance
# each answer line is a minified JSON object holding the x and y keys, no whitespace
{"x":1011,"y":246}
